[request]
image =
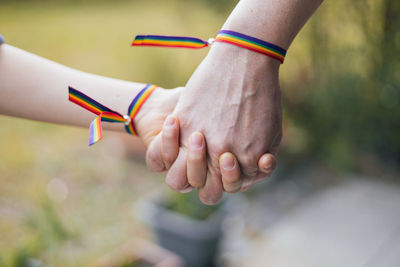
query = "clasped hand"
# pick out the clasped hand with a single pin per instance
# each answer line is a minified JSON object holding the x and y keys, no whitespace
{"x":225,"y":129}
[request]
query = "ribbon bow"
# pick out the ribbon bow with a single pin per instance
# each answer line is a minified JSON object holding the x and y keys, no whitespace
{"x":106,"y":114}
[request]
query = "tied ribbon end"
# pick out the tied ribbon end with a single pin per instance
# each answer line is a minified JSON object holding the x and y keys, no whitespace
{"x":95,"y":131}
{"x":169,"y":41}
{"x":105,"y":114}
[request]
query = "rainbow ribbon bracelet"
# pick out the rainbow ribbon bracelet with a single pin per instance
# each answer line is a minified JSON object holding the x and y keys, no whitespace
{"x":105,"y":114}
{"x":223,"y":36}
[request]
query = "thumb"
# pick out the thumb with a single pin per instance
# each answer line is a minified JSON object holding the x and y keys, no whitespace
{"x":154,"y":159}
{"x":164,"y":149}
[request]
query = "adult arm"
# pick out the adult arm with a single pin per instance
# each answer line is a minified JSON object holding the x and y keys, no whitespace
{"x":234,"y":97}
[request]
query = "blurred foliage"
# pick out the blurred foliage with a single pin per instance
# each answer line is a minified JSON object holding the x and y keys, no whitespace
{"x":190,"y":205}
{"x":341,"y":96}
{"x":45,"y":231}
{"x":223,"y":6}
{"x":347,"y":98}
{"x":90,"y":209}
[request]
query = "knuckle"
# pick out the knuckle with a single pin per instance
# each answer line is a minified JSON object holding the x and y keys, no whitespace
{"x":194,"y":158}
{"x":168,"y":133}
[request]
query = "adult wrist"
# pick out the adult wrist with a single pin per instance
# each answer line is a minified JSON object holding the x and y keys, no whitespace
{"x":224,"y":53}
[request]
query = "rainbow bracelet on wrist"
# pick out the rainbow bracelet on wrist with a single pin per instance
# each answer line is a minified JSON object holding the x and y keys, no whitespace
{"x":109,"y":115}
{"x":224,"y":36}
{"x":251,"y":43}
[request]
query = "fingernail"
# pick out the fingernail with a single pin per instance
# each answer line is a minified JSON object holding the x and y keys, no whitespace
{"x":227,"y":162}
{"x":196,"y":140}
{"x":170,"y":121}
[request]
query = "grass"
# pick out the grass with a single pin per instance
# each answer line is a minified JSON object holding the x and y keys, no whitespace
{"x":100,"y":184}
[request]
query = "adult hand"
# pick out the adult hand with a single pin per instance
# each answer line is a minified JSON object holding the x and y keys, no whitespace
{"x":234,"y":99}
{"x":153,"y":116}
{"x":168,"y":142}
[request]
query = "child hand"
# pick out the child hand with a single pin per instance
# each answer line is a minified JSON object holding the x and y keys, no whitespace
{"x":150,"y":119}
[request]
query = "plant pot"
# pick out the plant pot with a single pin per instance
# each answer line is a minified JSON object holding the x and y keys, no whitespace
{"x":196,"y":241}
{"x":140,"y":253}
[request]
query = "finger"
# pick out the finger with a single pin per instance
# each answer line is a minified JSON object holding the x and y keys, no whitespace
{"x":176,"y":176}
{"x":197,"y":160}
{"x":170,"y":141}
{"x":267,"y":163}
{"x":230,"y":172}
{"x":248,"y":165}
{"x":154,"y":160}
{"x":212,"y":191}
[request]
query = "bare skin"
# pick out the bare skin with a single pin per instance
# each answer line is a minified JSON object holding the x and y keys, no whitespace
{"x":197,"y":158}
{"x":40,"y":87}
{"x":234,"y":100}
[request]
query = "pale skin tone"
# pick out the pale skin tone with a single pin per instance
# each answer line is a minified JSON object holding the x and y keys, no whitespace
{"x":35,"y":88}
{"x":243,"y":116}
{"x":234,"y":100}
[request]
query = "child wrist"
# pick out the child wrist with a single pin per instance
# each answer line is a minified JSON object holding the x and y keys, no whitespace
{"x":106,"y":114}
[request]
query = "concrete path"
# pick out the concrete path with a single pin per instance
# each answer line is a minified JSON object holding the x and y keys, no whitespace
{"x":355,"y":223}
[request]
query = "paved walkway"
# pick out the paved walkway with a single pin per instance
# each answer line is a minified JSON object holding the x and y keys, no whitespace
{"x":354,"y":223}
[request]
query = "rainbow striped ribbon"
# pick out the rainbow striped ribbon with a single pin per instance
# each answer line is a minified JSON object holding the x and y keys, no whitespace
{"x":251,"y":43}
{"x":224,"y":36}
{"x":169,"y":41}
{"x":136,"y":105}
{"x":105,"y":114}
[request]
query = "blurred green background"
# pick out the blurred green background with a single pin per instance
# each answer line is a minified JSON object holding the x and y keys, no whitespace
{"x":62,"y":202}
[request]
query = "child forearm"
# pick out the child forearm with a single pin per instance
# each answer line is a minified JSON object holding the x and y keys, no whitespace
{"x":36,"y":88}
